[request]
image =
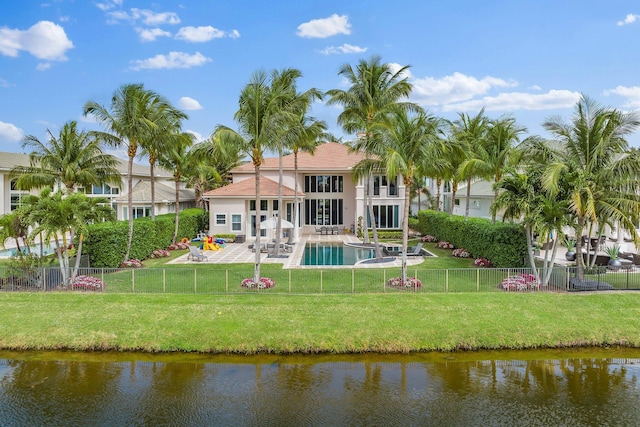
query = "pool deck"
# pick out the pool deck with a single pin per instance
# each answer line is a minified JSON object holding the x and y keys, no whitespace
{"x":239,"y":253}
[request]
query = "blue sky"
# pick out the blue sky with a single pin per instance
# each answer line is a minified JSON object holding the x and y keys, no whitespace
{"x":529,"y":59}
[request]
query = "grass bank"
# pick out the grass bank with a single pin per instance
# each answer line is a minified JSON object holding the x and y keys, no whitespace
{"x":249,"y":324}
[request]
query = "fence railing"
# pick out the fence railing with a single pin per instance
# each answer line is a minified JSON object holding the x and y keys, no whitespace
{"x":211,"y":280}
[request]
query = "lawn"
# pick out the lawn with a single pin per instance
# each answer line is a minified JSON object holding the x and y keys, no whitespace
{"x":253,"y":323}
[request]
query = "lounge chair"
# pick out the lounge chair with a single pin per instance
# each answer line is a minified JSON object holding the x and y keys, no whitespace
{"x":196,"y":255}
{"x":589,"y":285}
{"x":415,"y":251}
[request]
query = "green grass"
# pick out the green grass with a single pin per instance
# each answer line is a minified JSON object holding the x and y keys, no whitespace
{"x":253,"y":323}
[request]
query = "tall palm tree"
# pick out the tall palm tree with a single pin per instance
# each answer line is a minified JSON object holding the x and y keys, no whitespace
{"x":72,"y":159}
{"x":406,"y":144}
{"x":260,"y":115}
{"x":13,"y":227}
{"x":375,"y":90}
{"x":131,"y":116}
{"x":595,"y":167}
{"x":158,"y":140}
{"x":175,"y":157}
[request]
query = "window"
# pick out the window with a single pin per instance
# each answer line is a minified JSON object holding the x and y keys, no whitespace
{"x":264,"y":204}
{"x":323,"y":184}
{"x":141,"y":211}
{"x":263,"y":232}
{"x":236,"y":222}
{"x":16,"y":195}
{"x":324,"y":212}
{"x":275,"y":205}
{"x":221,"y":219}
{"x":387,"y":216}
{"x":457,"y":202}
{"x":100,"y":190}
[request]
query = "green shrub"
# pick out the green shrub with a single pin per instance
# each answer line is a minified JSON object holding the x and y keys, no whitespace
{"x":414,"y":223}
{"x":106,"y":242}
{"x":387,"y":234}
{"x":502,"y":243}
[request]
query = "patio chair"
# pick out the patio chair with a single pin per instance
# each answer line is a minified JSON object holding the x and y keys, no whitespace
{"x":417,"y":251}
{"x":196,"y":255}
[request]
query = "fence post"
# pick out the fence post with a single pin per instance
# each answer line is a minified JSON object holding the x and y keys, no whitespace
{"x":353,"y":280}
{"x":164,"y":280}
{"x":289,"y":281}
{"x":446,"y":280}
{"x":628,"y":278}
{"x":102,"y":277}
{"x":133,"y":280}
{"x":226,"y":280}
{"x":320,"y":281}
{"x":195,"y":280}
{"x":44,"y":279}
{"x":477,"y":280}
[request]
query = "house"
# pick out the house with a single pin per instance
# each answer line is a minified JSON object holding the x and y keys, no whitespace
{"x":117,"y":196}
{"x":327,"y":195}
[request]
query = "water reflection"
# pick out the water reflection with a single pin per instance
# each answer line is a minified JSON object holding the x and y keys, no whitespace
{"x":458,"y":389}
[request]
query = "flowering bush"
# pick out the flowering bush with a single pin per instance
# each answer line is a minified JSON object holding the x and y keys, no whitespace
{"x":482,"y":262}
{"x":409,"y":283}
{"x":159,"y":253}
{"x":429,"y":238}
{"x":461,"y":253}
{"x":87,"y":283}
{"x":132,"y":263}
{"x":263,"y":283}
{"x":444,"y":245}
{"x":520,"y":282}
{"x":178,"y":245}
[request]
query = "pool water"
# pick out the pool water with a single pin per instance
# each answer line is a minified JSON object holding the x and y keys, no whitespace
{"x":48,"y":249}
{"x":334,"y":254}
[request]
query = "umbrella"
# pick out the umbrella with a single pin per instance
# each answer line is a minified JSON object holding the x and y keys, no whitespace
{"x":272,"y":224}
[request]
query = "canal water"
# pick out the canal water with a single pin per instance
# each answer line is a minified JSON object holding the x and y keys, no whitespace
{"x":594,"y":387}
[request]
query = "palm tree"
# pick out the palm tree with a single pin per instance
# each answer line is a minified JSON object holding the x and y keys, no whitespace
{"x":157,"y":140}
{"x":73,"y":159}
{"x":375,"y":90}
{"x":595,"y":167}
{"x":175,"y":157}
{"x":13,"y":227}
{"x":132,"y":115}
{"x":406,"y":144}
{"x":260,"y":115}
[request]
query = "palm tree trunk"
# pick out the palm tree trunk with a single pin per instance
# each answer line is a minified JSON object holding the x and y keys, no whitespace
{"x":152,"y":168}
{"x":129,"y":205}
{"x":405,"y":228}
{"x":438,"y":185}
{"x":256,"y":267}
{"x":177,"y":221}
{"x":495,"y":197}
{"x":466,"y":209}
{"x":76,"y":267}
{"x":294,"y":215}
{"x":365,"y":235}
{"x":454,"y":189}
{"x":276,"y":250}
{"x":374,"y":229}
{"x":532,"y":258}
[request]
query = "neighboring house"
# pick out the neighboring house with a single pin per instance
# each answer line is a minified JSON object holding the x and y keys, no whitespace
{"x":327,"y":195}
{"x":164,"y":187}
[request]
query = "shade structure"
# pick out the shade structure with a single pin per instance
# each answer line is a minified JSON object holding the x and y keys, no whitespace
{"x":272,"y":224}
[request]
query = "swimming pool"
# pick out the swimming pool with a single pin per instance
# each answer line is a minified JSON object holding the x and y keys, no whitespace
{"x":334,"y":254}
{"x":48,"y":249}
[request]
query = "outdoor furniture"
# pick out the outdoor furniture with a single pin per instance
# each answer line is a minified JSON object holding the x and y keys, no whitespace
{"x":263,"y":247}
{"x":196,"y":255}
{"x":324,"y":230}
{"x":335,"y":230}
{"x":415,"y":251}
{"x":588,"y":285}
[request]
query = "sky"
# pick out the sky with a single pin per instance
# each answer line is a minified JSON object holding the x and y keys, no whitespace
{"x":530,"y":59}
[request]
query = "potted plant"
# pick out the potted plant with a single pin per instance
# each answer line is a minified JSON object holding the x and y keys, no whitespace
{"x":571,"y":249}
{"x":613,"y":252}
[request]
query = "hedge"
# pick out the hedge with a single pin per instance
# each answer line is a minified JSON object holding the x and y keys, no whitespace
{"x":106,"y":242}
{"x":504,"y":244}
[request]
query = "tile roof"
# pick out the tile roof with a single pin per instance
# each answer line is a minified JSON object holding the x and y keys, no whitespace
{"x":328,"y":156}
{"x":247,"y":188}
{"x":142,"y":193}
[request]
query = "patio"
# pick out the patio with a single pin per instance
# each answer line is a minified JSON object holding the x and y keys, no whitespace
{"x":240,"y":253}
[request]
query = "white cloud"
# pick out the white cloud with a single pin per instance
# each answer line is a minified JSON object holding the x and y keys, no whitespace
{"x":151,"y":34}
{"x":325,"y":27}
{"x":629,"y":19}
{"x":148,"y":17}
{"x":204,"y":34}
{"x":109,"y":5}
{"x":172,"y":60}
{"x":345,"y":48}
{"x":198,"y":135}
{"x":631,"y":93}
{"x":43,"y":66}
{"x":534,"y":87}
{"x":431,"y":91}
{"x":4,"y":83}
{"x":189,"y":104}
{"x":510,"y":101}
{"x":10,"y":132}
{"x":44,"y":40}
